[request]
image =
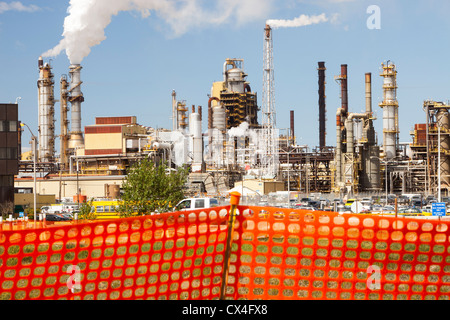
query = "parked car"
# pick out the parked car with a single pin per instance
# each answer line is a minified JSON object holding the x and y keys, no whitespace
{"x":305,"y":201}
{"x":349,"y":202}
{"x":56,"y":217}
{"x":314,"y":203}
{"x":196,"y":203}
{"x":427,"y":211}
{"x":403,"y":200}
{"x":410,"y":212}
{"x":302,"y":207}
{"x":388,"y":209}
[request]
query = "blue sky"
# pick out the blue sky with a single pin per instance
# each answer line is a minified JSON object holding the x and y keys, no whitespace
{"x":134,"y":70}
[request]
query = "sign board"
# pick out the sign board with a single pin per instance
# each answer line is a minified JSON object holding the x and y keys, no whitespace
{"x":438,"y":209}
{"x":356,"y":207}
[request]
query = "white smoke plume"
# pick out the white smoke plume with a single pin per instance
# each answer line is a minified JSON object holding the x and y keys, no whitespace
{"x":84,"y":27}
{"x":300,"y":21}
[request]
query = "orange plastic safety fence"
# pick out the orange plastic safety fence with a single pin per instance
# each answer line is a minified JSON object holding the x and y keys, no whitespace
{"x":276,"y":254}
{"x":169,"y":256}
{"x":293,"y":254}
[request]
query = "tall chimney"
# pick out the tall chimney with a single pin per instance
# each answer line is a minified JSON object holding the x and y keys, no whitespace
{"x":76,"y":98}
{"x":322,"y":105}
{"x":292,"y":128}
{"x":368,"y":92}
{"x":344,"y":90}
{"x":46,"y":101}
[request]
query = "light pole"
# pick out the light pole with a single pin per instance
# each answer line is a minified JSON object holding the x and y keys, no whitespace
{"x":34,"y":143}
{"x":439,"y":162}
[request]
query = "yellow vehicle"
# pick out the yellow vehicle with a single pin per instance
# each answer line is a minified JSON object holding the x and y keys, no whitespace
{"x":105,"y":209}
{"x":427,"y":212}
{"x":349,"y":202}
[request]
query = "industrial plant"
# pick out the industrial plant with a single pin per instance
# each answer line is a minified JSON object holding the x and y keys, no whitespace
{"x":241,"y":144}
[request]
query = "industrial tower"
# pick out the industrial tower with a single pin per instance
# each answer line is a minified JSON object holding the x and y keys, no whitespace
{"x":76,"y":98}
{"x":390,"y":110}
{"x":270,"y":160}
{"x":46,"y":100}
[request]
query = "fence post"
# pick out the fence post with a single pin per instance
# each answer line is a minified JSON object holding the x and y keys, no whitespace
{"x":234,"y":202}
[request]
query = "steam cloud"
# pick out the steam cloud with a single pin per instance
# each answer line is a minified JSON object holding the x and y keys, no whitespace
{"x":87,"y":19}
{"x":300,"y":21}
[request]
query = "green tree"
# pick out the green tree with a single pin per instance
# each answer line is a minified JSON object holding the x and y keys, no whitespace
{"x":86,"y":212}
{"x":150,"y":188}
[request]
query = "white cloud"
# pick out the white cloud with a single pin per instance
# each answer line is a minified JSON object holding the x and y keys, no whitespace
{"x":85,"y":25}
{"x":17,"y":6}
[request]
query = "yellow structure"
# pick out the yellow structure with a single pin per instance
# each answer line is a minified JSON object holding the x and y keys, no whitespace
{"x":114,"y":135}
{"x":235,"y":95}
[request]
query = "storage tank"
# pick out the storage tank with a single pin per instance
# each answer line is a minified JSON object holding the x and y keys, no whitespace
{"x":112,"y":191}
{"x":219,"y":118}
{"x":161,"y":145}
{"x":195,"y":125}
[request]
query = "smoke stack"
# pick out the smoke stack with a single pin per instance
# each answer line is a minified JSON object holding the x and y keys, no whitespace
{"x":46,"y":112}
{"x":368,"y":92}
{"x":344,"y":90}
{"x":292,"y":127}
{"x":174,"y":111}
{"x":322,"y":105}
{"x":76,"y":98}
{"x":268,"y":31}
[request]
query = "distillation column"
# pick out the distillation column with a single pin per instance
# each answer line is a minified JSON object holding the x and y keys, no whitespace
{"x":64,"y":135}
{"x":196,"y":140}
{"x":390,"y":110}
{"x":443,"y":122}
{"x":76,"y":98}
{"x":46,"y":112}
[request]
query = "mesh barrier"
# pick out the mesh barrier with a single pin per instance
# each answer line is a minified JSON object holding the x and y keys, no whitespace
{"x":276,"y":254}
{"x":170,"y":256}
{"x":293,"y":254}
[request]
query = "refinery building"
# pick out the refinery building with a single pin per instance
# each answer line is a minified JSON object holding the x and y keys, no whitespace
{"x":233,"y":140}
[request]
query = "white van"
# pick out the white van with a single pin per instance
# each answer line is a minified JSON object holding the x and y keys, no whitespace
{"x":59,"y":208}
{"x":196,"y":203}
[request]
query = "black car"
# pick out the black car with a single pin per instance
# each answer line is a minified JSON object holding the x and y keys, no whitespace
{"x":55,"y":217}
{"x":314,"y":204}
